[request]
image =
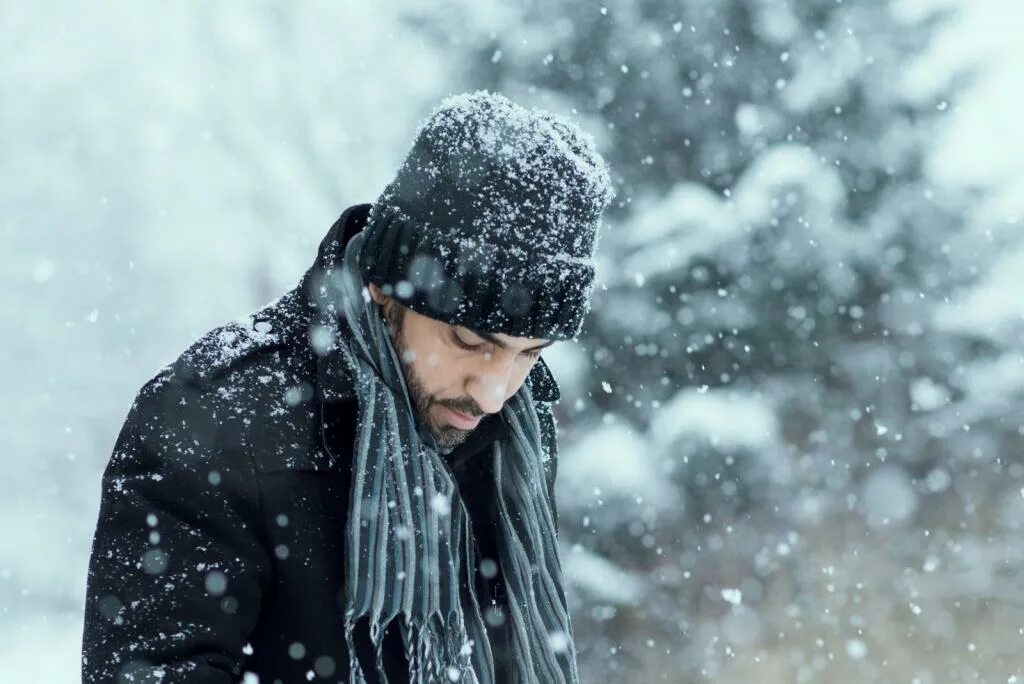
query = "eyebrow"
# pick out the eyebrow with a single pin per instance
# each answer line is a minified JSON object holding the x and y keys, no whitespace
{"x":501,"y":345}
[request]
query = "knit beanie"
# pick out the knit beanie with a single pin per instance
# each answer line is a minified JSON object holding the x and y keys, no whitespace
{"x":491,"y":221}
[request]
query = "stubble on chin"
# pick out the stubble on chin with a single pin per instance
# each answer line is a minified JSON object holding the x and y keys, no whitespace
{"x":447,"y":437}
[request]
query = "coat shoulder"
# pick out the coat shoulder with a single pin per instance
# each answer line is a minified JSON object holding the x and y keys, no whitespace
{"x":246,"y":385}
{"x":282,"y":323}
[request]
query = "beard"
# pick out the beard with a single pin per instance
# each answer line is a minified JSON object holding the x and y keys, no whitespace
{"x":447,"y":437}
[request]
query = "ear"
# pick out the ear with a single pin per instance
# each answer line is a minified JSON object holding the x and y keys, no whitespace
{"x":376,"y":295}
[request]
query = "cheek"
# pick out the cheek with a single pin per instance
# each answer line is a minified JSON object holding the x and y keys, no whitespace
{"x":424,"y":353}
{"x":438,"y":374}
{"x":517,"y":379}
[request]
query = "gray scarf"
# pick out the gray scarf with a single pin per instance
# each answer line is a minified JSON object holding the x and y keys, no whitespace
{"x":408,"y":544}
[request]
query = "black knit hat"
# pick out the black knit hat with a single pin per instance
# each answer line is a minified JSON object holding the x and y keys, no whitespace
{"x":491,"y":221}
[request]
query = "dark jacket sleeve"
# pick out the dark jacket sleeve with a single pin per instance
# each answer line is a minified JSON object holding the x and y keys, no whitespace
{"x":177,"y":569}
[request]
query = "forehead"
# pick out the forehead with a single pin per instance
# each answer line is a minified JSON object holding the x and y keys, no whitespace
{"x":511,"y":341}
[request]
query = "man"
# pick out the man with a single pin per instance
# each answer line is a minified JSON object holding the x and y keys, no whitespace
{"x":355,"y":483}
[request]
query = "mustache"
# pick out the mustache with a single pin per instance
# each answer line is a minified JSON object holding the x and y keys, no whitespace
{"x":464,"y":405}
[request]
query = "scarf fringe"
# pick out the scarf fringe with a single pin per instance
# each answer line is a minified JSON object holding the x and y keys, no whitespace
{"x":427,"y":663}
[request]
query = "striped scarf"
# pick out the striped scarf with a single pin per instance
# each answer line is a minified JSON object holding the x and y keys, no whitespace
{"x":408,"y":544}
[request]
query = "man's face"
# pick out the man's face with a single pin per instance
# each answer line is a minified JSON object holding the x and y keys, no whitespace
{"x":455,"y":375}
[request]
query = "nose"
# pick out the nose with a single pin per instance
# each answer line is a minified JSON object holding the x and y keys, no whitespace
{"x":489,"y":386}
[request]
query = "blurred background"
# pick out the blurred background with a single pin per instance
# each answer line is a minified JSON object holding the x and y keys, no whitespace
{"x":791,"y":433}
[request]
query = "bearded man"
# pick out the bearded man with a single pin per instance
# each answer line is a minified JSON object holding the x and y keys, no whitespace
{"x":356,"y":482}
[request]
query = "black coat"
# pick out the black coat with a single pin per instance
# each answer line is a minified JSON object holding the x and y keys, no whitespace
{"x":220,"y":539}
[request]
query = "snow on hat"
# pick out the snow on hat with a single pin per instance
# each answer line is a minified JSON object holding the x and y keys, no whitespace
{"x":491,"y":221}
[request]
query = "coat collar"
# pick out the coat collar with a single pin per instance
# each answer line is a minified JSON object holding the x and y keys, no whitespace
{"x":334,"y":381}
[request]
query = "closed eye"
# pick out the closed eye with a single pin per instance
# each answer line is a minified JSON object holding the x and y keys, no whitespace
{"x":461,"y":343}
{"x":465,"y":345}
